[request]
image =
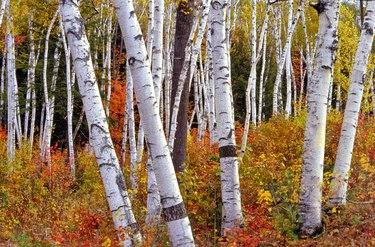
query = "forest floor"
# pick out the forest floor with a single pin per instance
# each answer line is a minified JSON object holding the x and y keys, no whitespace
{"x":44,"y":206}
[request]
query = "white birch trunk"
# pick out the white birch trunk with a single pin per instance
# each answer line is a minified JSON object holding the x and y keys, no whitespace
{"x":154,"y":208}
{"x":140,"y":142}
{"x":174,"y":212}
{"x":30,"y":78}
{"x":250,"y":90}
{"x":307,"y":43}
{"x":167,"y":67}
{"x":150,"y":28}
{"x":33,"y":101}
{"x":2,"y":10}
{"x":2,"y":89}
{"x":254,"y":54}
{"x":108,"y":60}
{"x":302,"y":79}
{"x":230,"y":186}
{"x":69,"y":107}
{"x":338,"y":95}
{"x":157,"y":48}
{"x":288,"y":104}
{"x":11,"y":87}
{"x":339,"y":183}
{"x":131,"y":128}
{"x":110,"y":171}
{"x":261,"y":79}
{"x":153,"y":197}
{"x":294,"y":83}
{"x":79,"y":122}
{"x":292,"y":22}
{"x":181,"y":81}
{"x":372,"y":91}
{"x":48,"y":124}
{"x":310,"y":200}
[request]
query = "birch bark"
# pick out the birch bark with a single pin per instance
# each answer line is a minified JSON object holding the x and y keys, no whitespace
{"x":339,"y":183}
{"x":2,"y":89}
{"x":174,"y":212}
{"x":310,"y":200}
{"x":30,"y":78}
{"x":11,"y":86}
{"x":110,"y":171}
{"x":69,"y":107}
{"x":48,"y":123}
{"x":292,"y":22}
{"x":131,"y":128}
{"x":250,"y":93}
{"x":230,"y":186}
{"x":33,"y":100}
{"x":108,"y":60}
{"x":254,"y":55}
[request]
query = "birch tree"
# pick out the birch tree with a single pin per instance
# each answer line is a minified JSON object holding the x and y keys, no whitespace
{"x":30,"y":78}
{"x":174,"y":212}
{"x":310,"y":199}
{"x":292,"y":22}
{"x":183,"y":30}
{"x":11,"y":85}
{"x":230,"y":185}
{"x":113,"y":180}
{"x":2,"y":89}
{"x":250,"y":90}
{"x":44,"y":149}
{"x":69,"y":106}
{"x":339,"y":183}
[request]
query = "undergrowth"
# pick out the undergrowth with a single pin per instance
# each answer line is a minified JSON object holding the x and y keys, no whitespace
{"x":45,"y":206}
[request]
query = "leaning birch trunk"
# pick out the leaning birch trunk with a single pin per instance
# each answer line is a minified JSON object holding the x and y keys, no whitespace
{"x":339,"y":184}
{"x":174,"y":212}
{"x":69,"y":107}
{"x":113,"y":180}
{"x":310,"y":199}
{"x":230,"y":185}
{"x":153,"y":196}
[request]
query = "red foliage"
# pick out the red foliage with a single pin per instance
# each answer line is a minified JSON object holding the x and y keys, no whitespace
{"x":19,"y":39}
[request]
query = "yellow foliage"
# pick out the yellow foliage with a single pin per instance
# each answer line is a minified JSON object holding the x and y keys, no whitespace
{"x":265,"y":197}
